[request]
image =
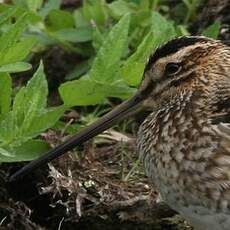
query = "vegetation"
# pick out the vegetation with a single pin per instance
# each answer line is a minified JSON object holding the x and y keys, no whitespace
{"x":114,"y":41}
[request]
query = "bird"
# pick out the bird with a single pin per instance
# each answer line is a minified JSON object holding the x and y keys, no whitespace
{"x":184,"y":142}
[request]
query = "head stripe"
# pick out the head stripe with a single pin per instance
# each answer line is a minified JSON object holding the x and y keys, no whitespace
{"x":173,"y":46}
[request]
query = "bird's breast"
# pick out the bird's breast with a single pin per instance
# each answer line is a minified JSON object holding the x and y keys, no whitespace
{"x":174,"y":144}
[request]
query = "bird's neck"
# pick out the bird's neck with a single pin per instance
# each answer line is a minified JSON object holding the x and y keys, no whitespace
{"x":174,"y":128}
{"x":174,"y":139}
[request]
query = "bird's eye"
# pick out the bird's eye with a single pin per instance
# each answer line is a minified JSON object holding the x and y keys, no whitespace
{"x":172,"y":68}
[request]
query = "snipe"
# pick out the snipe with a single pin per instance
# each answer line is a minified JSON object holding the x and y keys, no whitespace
{"x":185,"y":141}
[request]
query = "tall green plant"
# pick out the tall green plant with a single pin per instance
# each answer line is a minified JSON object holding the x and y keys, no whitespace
{"x":26,"y":118}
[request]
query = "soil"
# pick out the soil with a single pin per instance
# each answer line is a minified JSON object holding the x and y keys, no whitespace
{"x":103,"y":188}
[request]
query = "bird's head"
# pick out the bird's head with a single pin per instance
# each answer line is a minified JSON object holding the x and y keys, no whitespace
{"x":185,"y":64}
{"x":182,"y":64}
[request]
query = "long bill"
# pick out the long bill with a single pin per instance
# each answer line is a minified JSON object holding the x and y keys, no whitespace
{"x":94,"y":129}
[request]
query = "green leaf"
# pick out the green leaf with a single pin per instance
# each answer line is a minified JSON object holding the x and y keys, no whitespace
{"x":50,"y":5}
{"x":19,"y":51}
{"x":5,"y":94}
{"x":97,"y":38}
{"x":106,"y":63}
{"x":15,"y":67}
{"x":28,"y":103}
{"x":35,"y":117}
{"x":43,"y":121}
{"x":19,"y":108}
{"x":119,"y":8}
{"x":82,"y":92}
{"x":132,"y":72}
{"x":79,"y":70}
{"x":102,"y":80}
{"x":141,"y":19}
{"x":59,"y":19}
{"x":10,"y":37}
{"x":8,"y":129}
{"x":28,"y":116}
{"x":27,"y":151}
{"x":162,"y":29}
{"x":35,"y":97}
{"x":213,"y":30}
{"x":94,"y":10}
{"x":7,"y":14}
{"x":82,"y":34}
{"x":120,"y":90}
{"x":133,"y":69}
{"x":146,"y":5}
{"x":79,"y":19}
{"x":34,"y":5}
{"x":87,"y":92}
{"x":5,"y":154}
{"x":34,"y":18}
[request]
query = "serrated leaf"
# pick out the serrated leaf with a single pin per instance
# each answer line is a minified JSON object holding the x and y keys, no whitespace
{"x":5,"y":94}
{"x":18,"y":51}
{"x":133,"y":69}
{"x":163,"y":30}
{"x":27,"y":151}
{"x":15,"y":67}
{"x":28,"y":117}
{"x":10,"y":37}
{"x":37,"y":88}
{"x":36,"y":95}
{"x":28,"y":103}
{"x":106,"y":63}
{"x":44,"y":120}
